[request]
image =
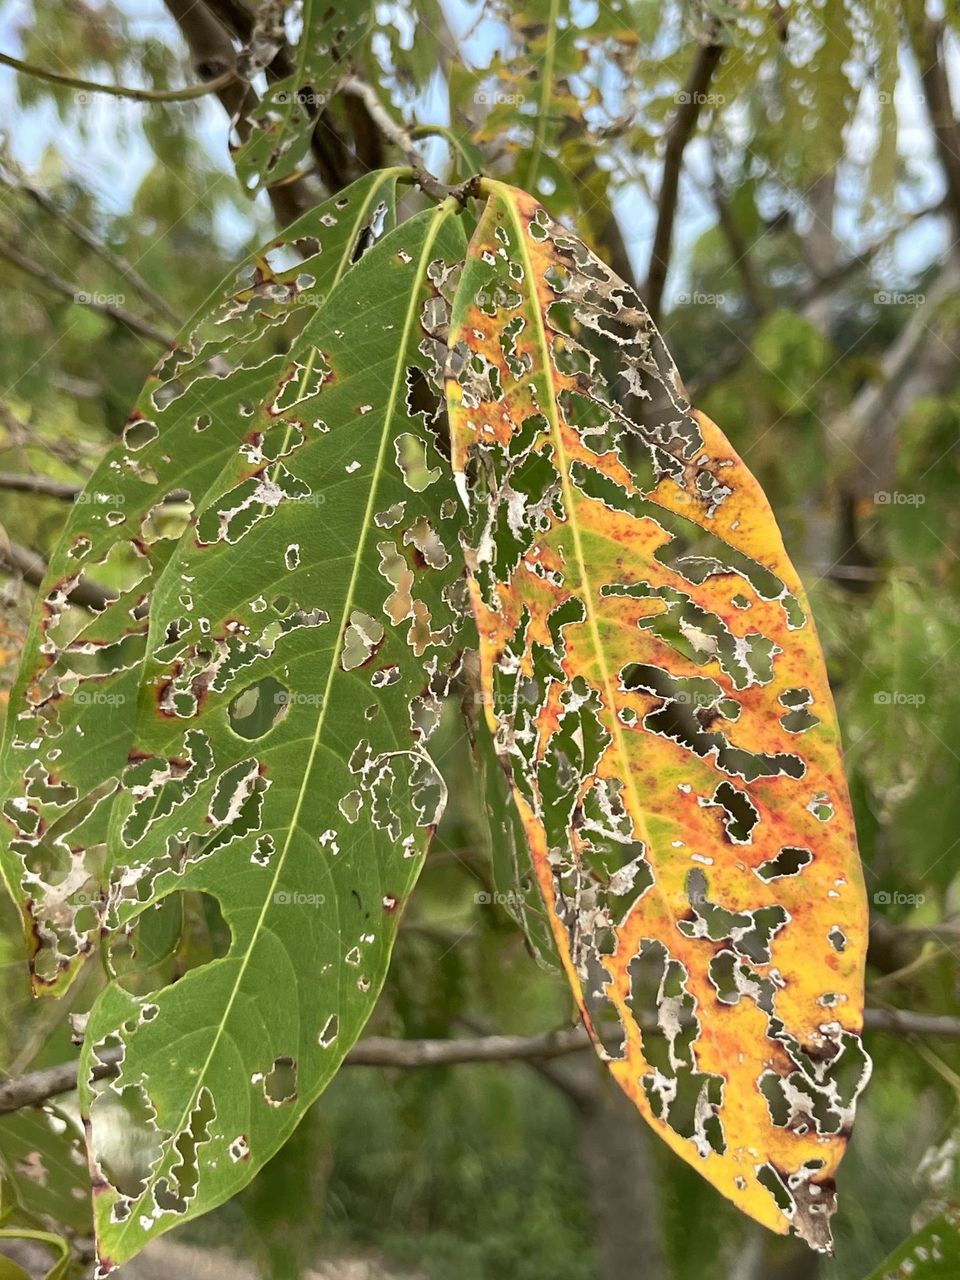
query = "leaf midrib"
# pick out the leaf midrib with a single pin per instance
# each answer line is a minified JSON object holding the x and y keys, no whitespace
{"x":571,"y":508}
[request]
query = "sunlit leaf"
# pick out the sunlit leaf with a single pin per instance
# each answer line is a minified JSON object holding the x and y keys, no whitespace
{"x":72,"y":708}
{"x":657,"y":691}
{"x":300,"y":643}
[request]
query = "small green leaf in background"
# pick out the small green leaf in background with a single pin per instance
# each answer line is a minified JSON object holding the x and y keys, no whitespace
{"x":281,"y":124}
{"x":932,"y":1253}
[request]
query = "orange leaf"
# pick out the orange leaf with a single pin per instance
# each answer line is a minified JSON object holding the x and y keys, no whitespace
{"x":655,"y":683}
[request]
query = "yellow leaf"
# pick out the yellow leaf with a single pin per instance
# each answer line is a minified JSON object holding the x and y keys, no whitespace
{"x":656,"y":687}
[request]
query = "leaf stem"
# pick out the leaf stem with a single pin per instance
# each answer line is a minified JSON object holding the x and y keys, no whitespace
{"x":185,"y":94}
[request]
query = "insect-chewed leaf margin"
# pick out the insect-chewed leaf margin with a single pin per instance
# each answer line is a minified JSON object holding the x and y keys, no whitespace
{"x":654,"y":681}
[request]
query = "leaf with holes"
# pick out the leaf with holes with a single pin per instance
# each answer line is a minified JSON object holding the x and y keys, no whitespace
{"x":300,"y":643}
{"x":657,"y":690}
{"x":931,"y":1253}
{"x":277,"y":132}
{"x":72,"y":708}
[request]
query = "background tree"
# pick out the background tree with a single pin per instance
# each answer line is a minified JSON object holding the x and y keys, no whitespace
{"x":783,"y":186}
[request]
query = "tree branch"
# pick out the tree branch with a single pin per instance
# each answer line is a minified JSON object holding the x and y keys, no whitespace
{"x":125,"y":269}
{"x":727,"y":362}
{"x":44,"y":486}
{"x":395,"y":134}
{"x":936,"y":90}
{"x":82,"y":296}
{"x":32,"y":567}
{"x":120,"y":90}
{"x":917,"y":363}
{"x":680,"y":132}
{"x":381,"y":1051}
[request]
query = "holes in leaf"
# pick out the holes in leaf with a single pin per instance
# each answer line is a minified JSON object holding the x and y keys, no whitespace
{"x":183,"y":931}
{"x":771,"y":1086}
{"x":176,"y":1191}
{"x":138,"y":433}
{"x":722,"y":974}
{"x":361,"y":640}
{"x":740,"y":817}
{"x":788,"y":862}
{"x":128,"y":1141}
{"x":768,"y":1177}
{"x":837,"y":938}
{"x":167,"y":519}
{"x":258,"y":708}
{"x":280,"y":1082}
{"x":411,"y":455}
{"x":820,"y":807}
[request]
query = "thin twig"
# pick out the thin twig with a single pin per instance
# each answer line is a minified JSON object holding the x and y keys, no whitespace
{"x":43,"y":486}
{"x":32,"y":567}
{"x":119,"y":90}
{"x":382,"y":1051}
{"x":681,"y":130}
{"x":94,"y":300}
{"x":399,"y":137}
{"x":123,"y":268}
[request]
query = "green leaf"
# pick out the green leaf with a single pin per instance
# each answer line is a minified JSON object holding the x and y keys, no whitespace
{"x":514,"y":875}
{"x":279,"y":128}
{"x":45,"y":1169}
{"x":74,"y":701}
{"x":932,"y":1253}
{"x":300,"y":642}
